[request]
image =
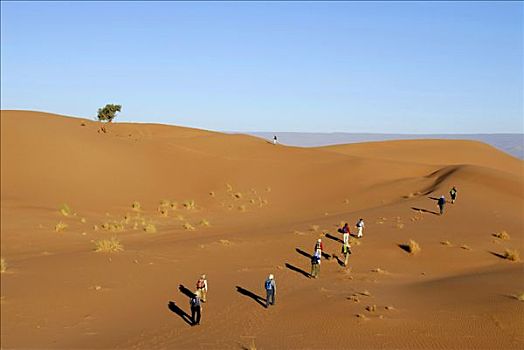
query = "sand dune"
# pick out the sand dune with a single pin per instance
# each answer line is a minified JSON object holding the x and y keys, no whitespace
{"x":255,"y":209}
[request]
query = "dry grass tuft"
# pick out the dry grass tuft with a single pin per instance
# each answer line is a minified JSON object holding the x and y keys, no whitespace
{"x":188,"y":226}
{"x":365,"y":293}
{"x":189,"y":204}
{"x":65,"y":210}
{"x":371,"y":308}
{"x":389,"y":308}
{"x":173,"y":205}
{"x":3,"y":265}
{"x":502,"y":235}
{"x":135,"y":206}
{"x":512,"y":255}
{"x":229,"y":188}
{"x":354,"y":298}
{"x":225,"y":242}
{"x":520,"y":297}
{"x":205,"y":223}
{"x":252,"y":201}
{"x":164,"y":203}
{"x":379,"y":270}
{"x":113,"y":226}
{"x":150,"y":228}
{"x":411,"y":247}
{"x":61,"y":226}
{"x":399,"y":225}
{"x":112,"y":245}
{"x":163,"y":211}
{"x":362,"y":316}
{"x":445,"y":243}
{"x":314,"y":228}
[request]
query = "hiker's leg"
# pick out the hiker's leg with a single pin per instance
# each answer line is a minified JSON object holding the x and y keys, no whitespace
{"x":198,"y":310}
{"x":203,"y":293}
{"x":268,"y":294}
{"x":193,"y":312}
{"x":346,"y":258}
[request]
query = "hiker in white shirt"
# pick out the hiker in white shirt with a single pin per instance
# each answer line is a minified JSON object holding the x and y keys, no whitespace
{"x":360,"y":227}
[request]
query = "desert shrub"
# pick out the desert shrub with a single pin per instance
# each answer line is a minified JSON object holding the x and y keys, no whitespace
{"x":150,"y":228}
{"x":502,"y":235}
{"x":371,"y":308}
{"x":252,"y":201}
{"x":65,"y":210}
{"x":188,"y":226}
{"x":520,"y":297}
{"x":164,"y":203}
{"x":113,"y":226}
{"x":135,"y":206}
{"x":512,"y":255}
{"x":173,"y":205}
{"x":61,"y":226}
{"x":204,"y":222}
{"x":238,"y":195}
{"x":163,"y":211}
{"x":112,"y":245}
{"x":229,"y":188}
{"x":411,"y":247}
{"x":445,"y":242}
{"x":3,"y":265}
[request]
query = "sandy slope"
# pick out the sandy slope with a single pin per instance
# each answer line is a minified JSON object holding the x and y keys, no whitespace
{"x":65,"y":295}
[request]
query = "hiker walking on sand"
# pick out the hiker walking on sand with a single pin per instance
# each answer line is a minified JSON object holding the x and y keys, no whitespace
{"x":346,"y":250}
{"x":360,"y":227}
{"x":196,"y":308}
{"x":345,"y":233}
{"x":453,"y":194}
{"x":319,"y":247}
{"x":275,"y":141}
{"x":201,"y":286}
{"x":315,"y":264}
{"x":271,"y":289}
{"x":441,"y":202}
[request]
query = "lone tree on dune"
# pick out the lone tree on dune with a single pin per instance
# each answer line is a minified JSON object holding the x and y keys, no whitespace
{"x":108,"y":113}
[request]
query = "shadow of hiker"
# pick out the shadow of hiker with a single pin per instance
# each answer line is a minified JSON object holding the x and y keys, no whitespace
{"x":425,"y":211}
{"x":339,"y":261}
{"x":296,"y":269}
{"x":434,"y":198}
{"x":301,"y":252}
{"x":183,"y":315}
{"x":186,"y":291}
{"x":252,"y":295}
{"x":336,"y":239}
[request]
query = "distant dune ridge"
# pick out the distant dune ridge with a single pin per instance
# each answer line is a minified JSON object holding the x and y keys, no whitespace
{"x":509,"y":143}
{"x":104,"y":236}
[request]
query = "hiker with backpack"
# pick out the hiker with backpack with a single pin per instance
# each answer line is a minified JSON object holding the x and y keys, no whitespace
{"x":196,"y":309}
{"x":319,"y":247}
{"x":201,"y":287}
{"x":453,"y":194}
{"x":345,"y":234}
{"x":346,"y":250}
{"x":315,"y":263}
{"x":441,"y":202}
{"x":271,"y":289}
{"x":275,"y":141}
{"x":360,"y":227}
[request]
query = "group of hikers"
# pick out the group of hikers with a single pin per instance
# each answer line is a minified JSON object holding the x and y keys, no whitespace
{"x":200,"y":294}
{"x":442,"y":200}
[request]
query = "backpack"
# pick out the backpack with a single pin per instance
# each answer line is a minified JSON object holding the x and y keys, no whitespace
{"x":195,"y":301}
{"x":200,"y":284}
{"x":268,"y":284}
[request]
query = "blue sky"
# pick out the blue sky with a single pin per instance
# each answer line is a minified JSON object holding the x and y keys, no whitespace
{"x":402,"y":67}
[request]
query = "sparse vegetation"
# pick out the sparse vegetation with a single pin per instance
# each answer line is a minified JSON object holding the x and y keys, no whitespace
{"x":188,"y":226}
{"x":242,"y":208}
{"x":520,"y":297}
{"x":3,"y":265}
{"x":502,"y":235}
{"x":65,"y":210}
{"x":135,"y":206}
{"x":173,"y":205}
{"x":150,"y":228}
{"x":189,"y":204}
{"x":61,"y":226}
{"x":238,"y":195}
{"x":371,"y":308}
{"x":512,"y":255}
{"x":205,"y":223}
{"x":163,"y":211}
{"x":445,"y":243}
{"x":164,"y":203}
{"x":378,"y":270}
{"x":229,"y":188}
{"x":411,"y":247}
{"x":112,"y":245}
{"x":113,"y":226}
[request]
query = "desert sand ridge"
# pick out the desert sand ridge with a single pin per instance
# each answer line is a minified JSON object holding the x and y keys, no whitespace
{"x":237,"y":208}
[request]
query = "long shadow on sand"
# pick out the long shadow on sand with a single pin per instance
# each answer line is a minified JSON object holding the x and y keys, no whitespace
{"x":425,"y":211}
{"x":183,"y":315}
{"x":296,"y":269}
{"x":498,"y":255}
{"x":188,"y":293}
{"x":336,"y":239}
{"x":301,"y":252}
{"x":252,"y":295}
